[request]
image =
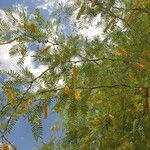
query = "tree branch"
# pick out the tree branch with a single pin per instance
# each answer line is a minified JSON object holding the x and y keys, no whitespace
{"x":8,"y":42}
{"x":22,"y":99}
{"x":115,"y":86}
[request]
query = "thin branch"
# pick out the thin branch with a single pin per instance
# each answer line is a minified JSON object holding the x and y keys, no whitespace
{"x":22,"y":98}
{"x":8,"y":42}
{"x":3,"y":137}
{"x":93,"y":60}
{"x":115,"y":86}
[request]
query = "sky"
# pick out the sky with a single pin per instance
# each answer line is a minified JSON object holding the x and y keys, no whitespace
{"x":21,"y":135}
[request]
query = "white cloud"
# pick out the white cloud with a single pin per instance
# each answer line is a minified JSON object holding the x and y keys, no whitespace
{"x":29,"y":64}
{"x":10,"y":63}
{"x":6,"y":62}
{"x":92,"y":30}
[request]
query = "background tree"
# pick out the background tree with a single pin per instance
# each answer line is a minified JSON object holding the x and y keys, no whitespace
{"x":104,"y":97}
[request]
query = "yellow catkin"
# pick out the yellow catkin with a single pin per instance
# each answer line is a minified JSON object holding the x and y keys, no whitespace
{"x":46,"y":111}
{"x":139,"y":66}
{"x":66,"y":89}
{"x":46,"y":48}
{"x":75,"y":73}
{"x":81,"y":10}
{"x":5,"y":147}
{"x":33,"y":27}
{"x":10,"y":94}
{"x":29,"y":101}
{"x":122,"y":51}
{"x":132,"y":12}
{"x":77,"y":94}
{"x":109,"y":25}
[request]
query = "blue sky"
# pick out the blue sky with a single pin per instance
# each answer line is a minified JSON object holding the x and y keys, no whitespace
{"x":21,"y":135}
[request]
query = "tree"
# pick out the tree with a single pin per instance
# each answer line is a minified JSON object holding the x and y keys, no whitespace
{"x":104,"y":101}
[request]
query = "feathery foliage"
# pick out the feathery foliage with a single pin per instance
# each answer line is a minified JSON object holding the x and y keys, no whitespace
{"x":104,"y":97}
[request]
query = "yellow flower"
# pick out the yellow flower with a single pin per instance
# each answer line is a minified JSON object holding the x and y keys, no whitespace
{"x":122,"y":51}
{"x":77,"y":94}
{"x":66,"y":89}
{"x":29,"y":101}
{"x":5,"y":147}
{"x":10,"y":94}
{"x":75,"y":73}
{"x":139,"y":66}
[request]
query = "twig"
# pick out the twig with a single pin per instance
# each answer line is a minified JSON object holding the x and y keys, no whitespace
{"x":7,"y":140}
{"x":9,"y":41}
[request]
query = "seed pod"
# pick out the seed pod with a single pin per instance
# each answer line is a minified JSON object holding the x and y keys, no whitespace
{"x":5,"y":147}
{"x":75,"y":73}
{"x":46,"y":111}
{"x":33,"y":27}
{"x":81,"y":10}
{"x":10,"y":94}
{"x":109,"y":25}
{"x":46,"y":48}
{"x":77,"y":94}
{"x":66,"y":89}
{"x":139,"y":66}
